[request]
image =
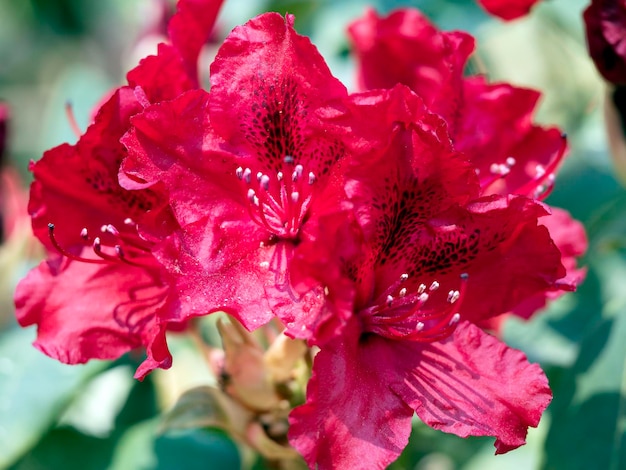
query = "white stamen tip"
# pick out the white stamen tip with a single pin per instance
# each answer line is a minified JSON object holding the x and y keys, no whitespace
{"x":389,"y":300}
{"x":112,"y":230}
{"x":540,"y":170}
{"x":247,"y":175}
{"x":434,"y":286}
{"x":455,"y":319}
{"x":265,"y":182}
{"x":420,"y":326}
{"x":119,"y":251}
{"x":510,"y":161}
{"x":404,"y":277}
{"x":84,"y":233}
{"x":259,"y":175}
{"x":421,"y":288}
{"x":252,"y":197}
{"x":103,"y":228}
{"x":239,"y":172}
{"x":423,"y":298}
{"x":295,"y":196}
{"x":402,"y":292}
{"x":311,"y":177}
{"x":453,"y":296}
{"x":279,"y":176}
{"x":129,"y":221}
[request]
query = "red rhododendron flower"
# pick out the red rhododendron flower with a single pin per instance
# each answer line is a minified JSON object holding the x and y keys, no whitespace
{"x":490,"y":123}
{"x":4,"y":124}
{"x":508,"y":9}
{"x":523,"y":157}
{"x":100,"y":236}
{"x":90,"y":226}
{"x":435,"y":258}
{"x":605,"y":22}
{"x":249,"y":169}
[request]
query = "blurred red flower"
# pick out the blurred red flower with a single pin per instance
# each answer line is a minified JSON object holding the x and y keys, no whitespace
{"x":605,"y":22}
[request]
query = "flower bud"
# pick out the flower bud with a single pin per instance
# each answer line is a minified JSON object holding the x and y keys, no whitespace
{"x":245,"y":375}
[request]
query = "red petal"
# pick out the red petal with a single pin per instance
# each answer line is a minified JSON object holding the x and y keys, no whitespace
{"x":190,"y":28}
{"x":471,"y":385}
{"x":504,"y":111}
{"x":571,"y":240}
{"x":174,"y":69}
{"x":87,"y":311}
{"x":273,"y":96}
{"x":218,"y":269}
{"x":508,"y":9}
{"x":162,"y":76}
{"x":76,"y":186}
{"x":350,"y":413}
{"x":604,"y":22}
{"x":509,"y":258}
{"x":406,"y":48}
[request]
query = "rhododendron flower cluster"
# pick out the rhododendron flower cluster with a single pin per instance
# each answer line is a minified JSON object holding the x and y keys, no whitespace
{"x":384,"y":227}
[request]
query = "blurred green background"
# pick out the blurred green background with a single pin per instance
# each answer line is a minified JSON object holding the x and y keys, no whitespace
{"x":97,"y":417}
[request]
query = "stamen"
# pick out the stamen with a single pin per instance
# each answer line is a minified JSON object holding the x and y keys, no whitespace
{"x":111,"y":229}
{"x":265,"y":182}
{"x":434,"y":286}
{"x":279,"y":206}
{"x":67,"y":254}
{"x":83,"y":233}
{"x":404,"y":277}
{"x":297,"y":173}
{"x":540,"y":171}
{"x":247,"y":175}
{"x":453,"y":296}
{"x":434,"y":319}
{"x":252,"y":197}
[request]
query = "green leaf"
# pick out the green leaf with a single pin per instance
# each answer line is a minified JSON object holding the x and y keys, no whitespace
{"x":34,"y":391}
{"x":196,"y":449}
{"x":141,"y":448}
{"x":52,"y":452}
{"x":204,"y":407}
{"x":589,"y":410}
